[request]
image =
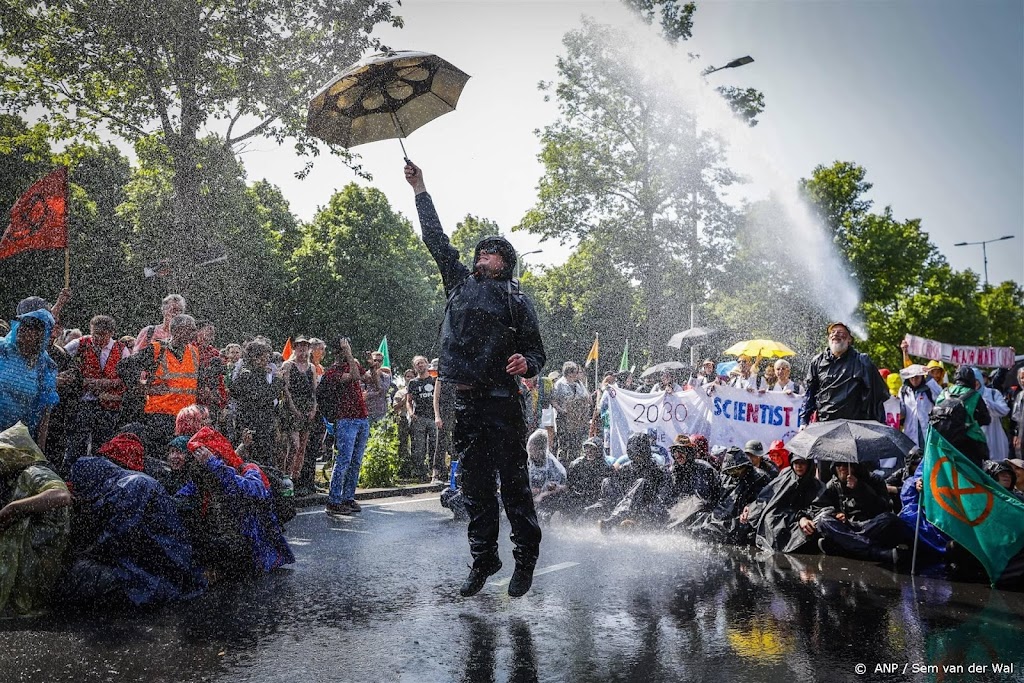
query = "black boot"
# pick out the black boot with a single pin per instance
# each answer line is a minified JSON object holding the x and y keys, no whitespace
{"x":521,"y":581}
{"x":478,"y":577}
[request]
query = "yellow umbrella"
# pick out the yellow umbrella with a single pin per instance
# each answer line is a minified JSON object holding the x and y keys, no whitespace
{"x":763,"y":348}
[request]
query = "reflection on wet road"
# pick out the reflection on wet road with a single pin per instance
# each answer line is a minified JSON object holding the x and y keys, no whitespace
{"x":375,"y":598}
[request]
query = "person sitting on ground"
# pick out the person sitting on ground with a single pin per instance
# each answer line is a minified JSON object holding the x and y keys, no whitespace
{"x":1003,"y":473}
{"x":1018,"y":472}
{"x":452,"y":497}
{"x":34,"y":524}
{"x":632,"y":492}
{"x":238,"y":532}
{"x":703,"y":451}
{"x":894,"y":482}
{"x":693,"y":485}
{"x":740,"y":482}
{"x":547,"y":476}
{"x":584,"y":477}
{"x":755,"y":451}
{"x":776,"y":514}
{"x":854,"y":518}
{"x":779,"y":454}
{"x":128,"y":542}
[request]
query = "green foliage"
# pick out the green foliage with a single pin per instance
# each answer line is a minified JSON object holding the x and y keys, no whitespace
{"x":362,"y":271}
{"x":627,"y":168}
{"x":746,"y":103}
{"x":380,"y":462}
{"x":676,"y":18}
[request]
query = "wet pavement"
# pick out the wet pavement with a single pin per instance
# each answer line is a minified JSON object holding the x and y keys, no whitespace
{"x":374,"y":597}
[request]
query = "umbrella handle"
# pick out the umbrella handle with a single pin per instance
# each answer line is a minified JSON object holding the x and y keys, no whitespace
{"x":398,"y":129}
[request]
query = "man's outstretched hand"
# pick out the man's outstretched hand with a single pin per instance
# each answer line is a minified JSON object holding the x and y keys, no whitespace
{"x":516,"y":365}
{"x":414,"y":176}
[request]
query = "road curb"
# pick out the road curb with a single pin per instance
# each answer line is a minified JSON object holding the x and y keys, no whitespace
{"x":370,"y":494}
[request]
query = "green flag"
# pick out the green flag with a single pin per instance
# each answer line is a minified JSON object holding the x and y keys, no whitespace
{"x":624,"y":363}
{"x":383,"y":348}
{"x":970,"y":507}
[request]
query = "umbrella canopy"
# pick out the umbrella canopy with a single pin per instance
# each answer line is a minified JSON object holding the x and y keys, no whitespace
{"x":850,"y":441}
{"x":678,"y":338}
{"x":387,"y":95}
{"x":765,"y":348}
{"x":667,"y":365}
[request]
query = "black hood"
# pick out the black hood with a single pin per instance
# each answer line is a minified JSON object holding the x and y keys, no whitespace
{"x":735,"y":458}
{"x":638,"y":447}
{"x":505,"y":248}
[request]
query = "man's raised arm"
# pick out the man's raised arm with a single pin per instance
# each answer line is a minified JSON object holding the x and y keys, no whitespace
{"x":452,"y":270}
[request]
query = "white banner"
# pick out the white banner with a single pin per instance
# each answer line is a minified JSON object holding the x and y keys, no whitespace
{"x":984,"y":356}
{"x":739,"y":416}
{"x":661,"y":415}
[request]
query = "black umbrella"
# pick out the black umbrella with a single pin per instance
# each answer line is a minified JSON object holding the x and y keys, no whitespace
{"x":387,"y":95}
{"x":850,"y":441}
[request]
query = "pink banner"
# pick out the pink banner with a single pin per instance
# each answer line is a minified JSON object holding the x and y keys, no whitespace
{"x":983,"y":356}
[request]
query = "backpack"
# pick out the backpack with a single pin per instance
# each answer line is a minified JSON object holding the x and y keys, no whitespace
{"x":950,"y":418}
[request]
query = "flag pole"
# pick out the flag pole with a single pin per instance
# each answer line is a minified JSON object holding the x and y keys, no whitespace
{"x":917,"y":533}
{"x":67,"y":266}
{"x":597,"y":360}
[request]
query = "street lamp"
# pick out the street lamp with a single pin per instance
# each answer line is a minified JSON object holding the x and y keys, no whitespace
{"x":984,"y":252}
{"x":519,"y":259}
{"x":731,"y":65}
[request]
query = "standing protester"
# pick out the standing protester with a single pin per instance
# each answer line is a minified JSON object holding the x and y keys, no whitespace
{"x":168,"y":372}
{"x":96,"y":355}
{"x":299,"y":413}
{"x":213,"y":392}
{"x":28,"y":376}
{"x":171,"y":306}
{"x":257,"y":390}
{"x":341,"y":400}
{"x":400,"y":405}
{"x":959,"y":415}
{"x":998,"y":443}
{"x":422,"y":429}
{"x":490,"y":336}
{"x":916,"y":402}
{"x":376,"y":395}
{"x":572,"y":406}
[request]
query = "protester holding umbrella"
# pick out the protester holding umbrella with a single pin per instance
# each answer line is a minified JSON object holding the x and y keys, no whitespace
{"x":490,"y":336}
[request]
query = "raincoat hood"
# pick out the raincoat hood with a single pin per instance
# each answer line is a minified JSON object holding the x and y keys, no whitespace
{"x":218,"y":444}
{"x":638,"y":448}
{"x":503,"y":247}
{"x":41,"y":315}
{"x":964,"y":376}
{"x":735,"y":458}
{"x":126,"y":450}
{"x":17,"y":450}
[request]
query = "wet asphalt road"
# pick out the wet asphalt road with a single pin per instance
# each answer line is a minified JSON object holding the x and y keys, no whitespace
{"x":375,"y":597}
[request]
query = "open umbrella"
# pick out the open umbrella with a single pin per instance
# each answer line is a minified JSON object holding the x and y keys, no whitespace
{"x":387,"y":95}
{"x":667,"y":365}
{"x":678,"y":338}
{"x":765,"y":348}
{"x":850,"y":441}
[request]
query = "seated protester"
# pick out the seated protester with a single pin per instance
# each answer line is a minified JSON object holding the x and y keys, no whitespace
{"x":547,"y":475}
{"x":237,"y":530}
{"x":584,"y":477}
{"x":1003,"y":473}
{"x":932,"y":543}
{"x":175,"y":476}
{"x":129,"y":545}
{"x":779,"y":454}
{"x":703,"y":451}
{"x":34,"y":524}
{"x":755,"y":451}
{"x":692,"y":485}
{"x":894,"y":482}
{"x":740,"y":483}
{"x":854,"y":518}
{"x":632,"y":492}
{"x":777,"y":512}
{"x":191,"y":419}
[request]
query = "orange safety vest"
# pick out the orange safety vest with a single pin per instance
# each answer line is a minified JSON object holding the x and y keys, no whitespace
{"x":181,"y":378}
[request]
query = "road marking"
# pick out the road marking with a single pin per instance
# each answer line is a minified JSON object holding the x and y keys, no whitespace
{"x":318,"y":511}
{"x":383,"y":512}
{"x":539,"y":572}
{"x":402,"y":502}
{"x":351,"y":531}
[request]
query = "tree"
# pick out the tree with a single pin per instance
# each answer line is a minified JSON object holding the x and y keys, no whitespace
{"x":627,"y":167}
{"x":180,"y":68}
{"x":837,"y":193}
{"x":362,"y":271}
{"x":1003,"y":307}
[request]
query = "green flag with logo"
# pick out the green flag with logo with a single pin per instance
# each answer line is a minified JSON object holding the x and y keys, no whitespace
{"x":624,"y":363}
{"x":970,"y":507}
{"x":384,"y":350}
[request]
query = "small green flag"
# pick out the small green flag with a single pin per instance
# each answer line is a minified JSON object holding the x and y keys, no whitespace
{"x":624,"y":363}
{"x":383,"y":348}
{"x":970,"y":507}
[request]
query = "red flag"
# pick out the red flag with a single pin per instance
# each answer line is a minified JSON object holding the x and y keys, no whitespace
{"x":39,"y":219}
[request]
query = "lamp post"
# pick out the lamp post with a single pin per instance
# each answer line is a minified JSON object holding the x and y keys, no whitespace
{"x":731,"y":65}
{"x":984,"y":251}
{"x":519,"y":260}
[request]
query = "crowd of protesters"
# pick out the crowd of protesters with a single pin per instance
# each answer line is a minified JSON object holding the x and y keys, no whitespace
{"x":141,"y":469}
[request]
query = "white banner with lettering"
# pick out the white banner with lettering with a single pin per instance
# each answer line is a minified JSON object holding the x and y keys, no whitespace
{"x":984,"y":356}
{"x":728,"y":417}
{"x":661,"y":415}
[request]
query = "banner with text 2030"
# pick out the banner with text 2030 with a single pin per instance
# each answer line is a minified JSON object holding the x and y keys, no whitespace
{"x":728,"y":417}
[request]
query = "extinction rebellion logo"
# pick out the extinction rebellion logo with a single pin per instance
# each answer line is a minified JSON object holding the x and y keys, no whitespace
{"x":951,"y":498}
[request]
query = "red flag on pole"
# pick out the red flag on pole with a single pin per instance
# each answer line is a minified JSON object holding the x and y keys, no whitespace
{"x":39,"y":219}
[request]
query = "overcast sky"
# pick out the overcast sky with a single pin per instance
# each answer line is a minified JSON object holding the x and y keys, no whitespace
{"x":928,"y":96}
